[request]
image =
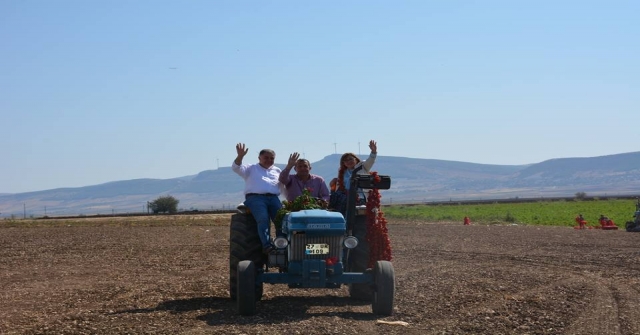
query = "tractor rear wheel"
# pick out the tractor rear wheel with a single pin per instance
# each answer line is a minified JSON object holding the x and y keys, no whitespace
{"x":385,"y":286}
{"x":244,"y":244}
{"x":246,"y":295}
{"x":359,"y":259}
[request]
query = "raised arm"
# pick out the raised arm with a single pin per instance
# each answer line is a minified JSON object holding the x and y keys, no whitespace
{"x":368,"y":164}
{"x":242,"y":151}
{"x":373,"y":146}
{"x":284,"y":175}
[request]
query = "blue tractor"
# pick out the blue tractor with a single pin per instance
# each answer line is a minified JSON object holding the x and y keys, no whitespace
{"x":321,"y":249}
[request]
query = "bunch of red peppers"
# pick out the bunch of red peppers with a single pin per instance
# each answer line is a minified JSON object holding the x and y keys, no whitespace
{"x":377,"y":233}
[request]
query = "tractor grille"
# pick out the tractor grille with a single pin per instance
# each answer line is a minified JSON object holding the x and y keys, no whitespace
{"x":299,"y":242}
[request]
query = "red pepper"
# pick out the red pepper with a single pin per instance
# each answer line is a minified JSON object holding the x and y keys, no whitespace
{"x":331,"y":261}
{"x":377,"y":232}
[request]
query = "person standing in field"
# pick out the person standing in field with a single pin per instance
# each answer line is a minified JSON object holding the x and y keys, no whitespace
{"x":261,"y":190}
{"x":582,"y":223}
{"x":295,"y":184}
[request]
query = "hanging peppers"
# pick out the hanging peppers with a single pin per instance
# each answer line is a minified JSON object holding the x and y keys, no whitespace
{"x":377,"y":233}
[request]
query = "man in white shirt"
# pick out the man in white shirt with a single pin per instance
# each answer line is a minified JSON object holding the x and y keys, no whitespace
{"x":261,"y":189}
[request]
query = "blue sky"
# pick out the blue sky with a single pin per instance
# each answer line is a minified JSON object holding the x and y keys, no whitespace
{"x":99,"y":91}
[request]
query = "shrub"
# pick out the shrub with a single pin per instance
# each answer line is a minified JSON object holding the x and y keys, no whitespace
{"x":164,"y":204}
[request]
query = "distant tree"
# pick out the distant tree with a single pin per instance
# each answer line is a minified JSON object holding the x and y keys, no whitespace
{"x":164,"y":204}
{"x":581,"y":195}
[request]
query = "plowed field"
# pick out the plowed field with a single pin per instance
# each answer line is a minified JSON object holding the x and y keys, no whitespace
{"x":165,"y":277}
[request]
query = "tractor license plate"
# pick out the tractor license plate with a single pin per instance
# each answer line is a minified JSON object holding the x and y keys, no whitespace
{"x":317,"y":249}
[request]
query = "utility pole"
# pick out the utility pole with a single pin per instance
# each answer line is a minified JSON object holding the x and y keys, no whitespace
{"x":24,"y":206}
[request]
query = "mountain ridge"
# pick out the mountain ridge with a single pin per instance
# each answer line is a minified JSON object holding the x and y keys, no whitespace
{"x":413,"y":180}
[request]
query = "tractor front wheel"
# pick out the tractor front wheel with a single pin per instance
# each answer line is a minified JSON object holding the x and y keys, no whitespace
{"x":384,"y":288}
{"x":246,"y":294}
{"x":358,"y":259}
{"x":244,"y":244}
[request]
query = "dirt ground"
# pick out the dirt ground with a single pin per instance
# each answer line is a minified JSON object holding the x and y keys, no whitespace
{"x":114,"y":278}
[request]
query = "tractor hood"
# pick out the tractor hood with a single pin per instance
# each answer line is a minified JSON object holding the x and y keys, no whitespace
{"x":314,"y":222}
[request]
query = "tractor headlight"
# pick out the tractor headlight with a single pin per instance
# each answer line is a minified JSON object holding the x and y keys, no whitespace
{"x":350,"y":242}
{"x":280,"y":242}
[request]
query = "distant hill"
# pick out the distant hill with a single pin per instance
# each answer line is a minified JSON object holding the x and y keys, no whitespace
{"x":413,"y":180}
